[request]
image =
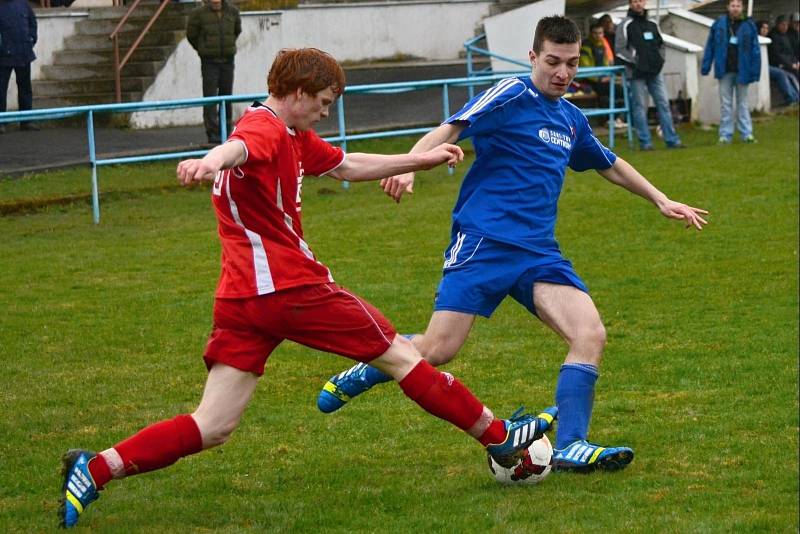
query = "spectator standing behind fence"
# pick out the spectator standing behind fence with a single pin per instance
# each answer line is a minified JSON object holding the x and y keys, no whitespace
{"x":787,"y":83}
{"x":212,"y":31}
{"x":17,"y":37}
{"x":640,"y":48}
{"x":732,"y":47}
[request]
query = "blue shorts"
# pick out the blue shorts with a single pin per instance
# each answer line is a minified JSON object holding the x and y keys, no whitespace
{"x":479,"y":273}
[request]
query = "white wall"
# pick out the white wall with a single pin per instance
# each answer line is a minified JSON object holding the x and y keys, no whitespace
{"x":510,"y":34}
{"x":53,"y":27}
{"x":351,"y":33}
{"x":695,"y":28}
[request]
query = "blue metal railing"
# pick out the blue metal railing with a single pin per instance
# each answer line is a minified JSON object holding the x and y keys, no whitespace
{"x":341,"y":138}
{"x":585,"y":72}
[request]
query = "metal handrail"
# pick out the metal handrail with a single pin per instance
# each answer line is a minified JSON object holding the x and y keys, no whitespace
{"x":342,"y":136}
{"x":118,"y":65}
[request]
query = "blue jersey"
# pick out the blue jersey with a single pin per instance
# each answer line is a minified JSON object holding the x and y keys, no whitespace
{"x":523,"y":143}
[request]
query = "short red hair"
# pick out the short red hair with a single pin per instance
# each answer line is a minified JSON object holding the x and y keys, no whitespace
{"x":309,"y":69}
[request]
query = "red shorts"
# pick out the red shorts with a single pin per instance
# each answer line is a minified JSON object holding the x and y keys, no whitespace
{"x":325,"y":317}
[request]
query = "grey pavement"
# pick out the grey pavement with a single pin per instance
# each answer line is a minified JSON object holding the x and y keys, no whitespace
{"x":62,"y":144}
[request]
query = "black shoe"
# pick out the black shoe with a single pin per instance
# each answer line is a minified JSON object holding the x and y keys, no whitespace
{"x":29,"y":126}
{"x":677,"y":145}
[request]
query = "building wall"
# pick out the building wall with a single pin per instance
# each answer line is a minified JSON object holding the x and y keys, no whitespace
{"x":352,"y":33}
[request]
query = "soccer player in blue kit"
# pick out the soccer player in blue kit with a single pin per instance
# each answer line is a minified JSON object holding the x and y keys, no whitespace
{"x":503,"y":241}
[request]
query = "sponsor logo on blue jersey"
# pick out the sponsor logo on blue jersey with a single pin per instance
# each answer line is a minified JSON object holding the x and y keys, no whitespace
{"x":555,"y":138}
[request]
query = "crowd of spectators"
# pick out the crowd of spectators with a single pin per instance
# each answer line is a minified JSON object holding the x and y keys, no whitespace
{"x":784,"y":54}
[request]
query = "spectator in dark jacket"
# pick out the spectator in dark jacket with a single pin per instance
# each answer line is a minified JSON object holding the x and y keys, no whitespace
{"x":794,"y":34}
{"x":788,"y":84}
{"x":780,"y":50}
{"x":732,"y":47}
{"x":640,"y":48}
{"x":17,"y":37}
{"x":212,"y":31}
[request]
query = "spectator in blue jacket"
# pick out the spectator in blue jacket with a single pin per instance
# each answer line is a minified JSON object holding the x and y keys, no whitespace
{"x":733,"y":48}
{"x":17,"y":38}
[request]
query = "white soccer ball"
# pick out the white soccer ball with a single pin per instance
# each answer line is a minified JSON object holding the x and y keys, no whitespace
{"x":530,"y":470}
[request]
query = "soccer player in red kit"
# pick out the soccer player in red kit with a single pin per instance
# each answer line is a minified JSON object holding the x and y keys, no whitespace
{"x":272,"y":287}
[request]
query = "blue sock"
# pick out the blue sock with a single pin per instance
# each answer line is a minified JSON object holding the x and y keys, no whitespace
{"x":574,"y":397}
{"x":374,"y":377}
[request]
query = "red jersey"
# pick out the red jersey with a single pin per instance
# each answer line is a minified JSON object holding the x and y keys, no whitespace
{"x":258,"y":207}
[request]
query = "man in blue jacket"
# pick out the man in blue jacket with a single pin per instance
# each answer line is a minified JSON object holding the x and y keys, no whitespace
{"x":733,"y":48}
{"x":17,"y":37}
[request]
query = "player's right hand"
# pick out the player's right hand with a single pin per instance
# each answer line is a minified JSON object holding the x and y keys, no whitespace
{"x":396,"y":186}
{"x":192,"y":171}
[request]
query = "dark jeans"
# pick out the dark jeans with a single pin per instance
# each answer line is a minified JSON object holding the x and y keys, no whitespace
{"x":217,"y":81}
{"x":24,"y":90}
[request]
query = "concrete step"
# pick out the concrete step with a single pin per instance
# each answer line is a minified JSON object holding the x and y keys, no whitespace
{"x":60,"y":88}
{"x":144,"y":11}
{"x":106,"y":56}
{"x":102,"y":42}
{"x":99,"y":70}
{"x":89,"y":99}
{"x":106,"y":26}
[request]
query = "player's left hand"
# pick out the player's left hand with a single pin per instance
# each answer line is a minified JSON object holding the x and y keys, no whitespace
{"x":397,"y":186}
{"x":692,"y":216}
{"x":192,"y":171}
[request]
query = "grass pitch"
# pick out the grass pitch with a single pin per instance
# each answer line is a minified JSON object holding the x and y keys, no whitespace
{"x":103,"y":327}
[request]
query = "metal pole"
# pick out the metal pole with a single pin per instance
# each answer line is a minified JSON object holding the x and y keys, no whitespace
{"x":749,"y":8}
{"x":446,"y":111}
{"x":342,"y":134}
{"x":612,"y":104}
{"x":223,"y":121}
{"x":471,"y":89}
{"x":117,"y":71}
{"x":629,"y":115}
{"x":93,"y":163}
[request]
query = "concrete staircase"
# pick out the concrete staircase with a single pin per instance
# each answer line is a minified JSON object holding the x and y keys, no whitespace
{"x":82,"y":72}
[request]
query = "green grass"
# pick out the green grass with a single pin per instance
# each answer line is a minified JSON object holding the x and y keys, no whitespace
{"x":102,"y":329}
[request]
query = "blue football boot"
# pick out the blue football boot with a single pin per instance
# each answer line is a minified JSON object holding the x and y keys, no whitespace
{"x":79,"y":489}
{"x":584,"y":457}
{"x":521,"y":430}
{"x":342,"y":387}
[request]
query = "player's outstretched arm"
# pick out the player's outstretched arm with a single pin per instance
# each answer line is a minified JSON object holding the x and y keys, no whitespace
{"x":224,"y":156}
{"x":624,"y":175}
{"x":358,"y":167}
{"x":396,"y":186}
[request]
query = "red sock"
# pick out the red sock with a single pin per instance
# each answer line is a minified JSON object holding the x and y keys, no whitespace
{"x":495,"y":434}
{"x":153,"y":447}
{"x":442,"y":395}
{"x":101,"y":473}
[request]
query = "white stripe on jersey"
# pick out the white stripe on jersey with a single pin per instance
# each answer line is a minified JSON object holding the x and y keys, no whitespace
{"x":490,"y":95}
{"x":264,"y":282}
{"x":481,"y":103}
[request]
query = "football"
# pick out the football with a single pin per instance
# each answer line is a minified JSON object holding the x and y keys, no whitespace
{"x":530,"y":470}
